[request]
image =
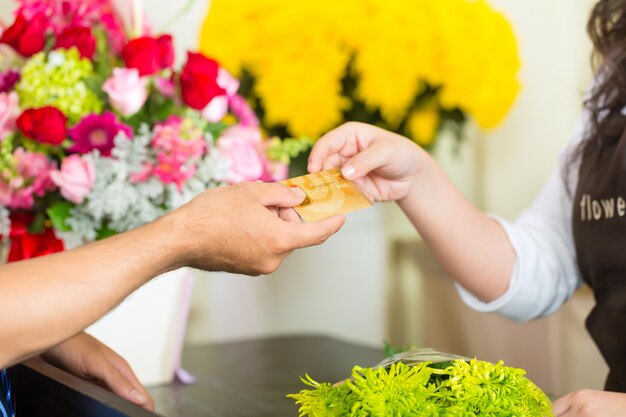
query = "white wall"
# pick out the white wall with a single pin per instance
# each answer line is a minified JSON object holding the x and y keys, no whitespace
{"x":521,"y":153}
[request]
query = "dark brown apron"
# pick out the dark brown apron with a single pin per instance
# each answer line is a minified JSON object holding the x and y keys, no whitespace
{"x":599,"y":227}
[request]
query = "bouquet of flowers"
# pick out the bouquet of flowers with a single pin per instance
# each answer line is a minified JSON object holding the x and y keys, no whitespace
{"x":99,"y":133}
{"x":411,"y":66}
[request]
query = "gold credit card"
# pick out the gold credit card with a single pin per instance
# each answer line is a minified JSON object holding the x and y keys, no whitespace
{"x":327,"y":193}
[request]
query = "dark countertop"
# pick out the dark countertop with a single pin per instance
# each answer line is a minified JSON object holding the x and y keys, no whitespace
{"x":249,"y":378}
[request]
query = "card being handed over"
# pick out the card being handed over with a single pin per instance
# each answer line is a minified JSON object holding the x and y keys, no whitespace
{"x":327,"y":193}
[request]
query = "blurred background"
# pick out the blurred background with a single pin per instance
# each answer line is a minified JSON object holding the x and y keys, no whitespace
{"x":375,"y":281}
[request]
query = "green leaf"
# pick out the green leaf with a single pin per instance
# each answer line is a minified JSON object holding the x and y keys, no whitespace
{"x":392,"y":350}
{"x":38,"y":223}
{"x":58,"y":213}
{"x":104,"y":233}
{"x":215,"y":129}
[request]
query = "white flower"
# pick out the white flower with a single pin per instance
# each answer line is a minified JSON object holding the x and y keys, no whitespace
{"x":83,"y":229}
{"x":55,"y":59}
{"x":5,"y":222}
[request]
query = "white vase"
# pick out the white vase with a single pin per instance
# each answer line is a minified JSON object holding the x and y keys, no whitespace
{"x":148,"y":328}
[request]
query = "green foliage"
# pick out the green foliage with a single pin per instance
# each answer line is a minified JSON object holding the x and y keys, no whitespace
{"x":457,"y":389}
{"x":285,"y":150}
{"x":391,"y":350}
{"x":324,"y":400}
{"x":58,"y":213}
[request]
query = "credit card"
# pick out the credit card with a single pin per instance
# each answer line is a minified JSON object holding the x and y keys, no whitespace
{"x":327,"y":193}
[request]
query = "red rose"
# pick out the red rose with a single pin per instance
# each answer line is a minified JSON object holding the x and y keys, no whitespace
{"x":198,"y":81}
{"x":27,"y":37}
{"x":26,"y":245}
{"x":79,"y":37}
{"x":149,"y":55}
{"x":45,"y":125}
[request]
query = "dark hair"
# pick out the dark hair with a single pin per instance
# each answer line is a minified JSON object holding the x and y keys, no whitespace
{"x":607,"y":30}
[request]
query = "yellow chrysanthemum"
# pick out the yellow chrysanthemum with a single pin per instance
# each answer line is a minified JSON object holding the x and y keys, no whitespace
{"x":422,"y":125}
{"x":299,"y":54}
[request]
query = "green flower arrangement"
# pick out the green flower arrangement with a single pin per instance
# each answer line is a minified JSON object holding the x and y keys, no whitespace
{"x":453,"y":388}
{"x":59,"y":79}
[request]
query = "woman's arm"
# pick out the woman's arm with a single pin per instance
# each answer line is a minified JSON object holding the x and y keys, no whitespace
{"x":470,"y":245}
{"x":47,"y":300}
{"x":522,"y":270}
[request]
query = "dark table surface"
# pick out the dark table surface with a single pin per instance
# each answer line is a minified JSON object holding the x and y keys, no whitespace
{"x":236,"y":379}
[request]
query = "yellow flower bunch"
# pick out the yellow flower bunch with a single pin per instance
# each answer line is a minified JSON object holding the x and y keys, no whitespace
{"x":407,"y":65}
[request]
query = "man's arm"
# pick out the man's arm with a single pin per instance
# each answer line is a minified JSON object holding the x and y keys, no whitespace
{"x":237,"y":229}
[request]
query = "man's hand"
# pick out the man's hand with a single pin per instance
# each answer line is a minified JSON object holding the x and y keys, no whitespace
{"x":88,"y":358}
{"x":590,"y":403}
{"x":246,"y":228}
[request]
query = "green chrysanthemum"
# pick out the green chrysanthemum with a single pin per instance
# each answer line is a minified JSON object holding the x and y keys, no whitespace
{"x":59,"y":79}
{"x":324,"y":400}
{"x":451,"y":389}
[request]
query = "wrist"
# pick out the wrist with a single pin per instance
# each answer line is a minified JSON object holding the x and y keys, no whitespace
{"x":172,"y":240}
{"x":421,"y":183}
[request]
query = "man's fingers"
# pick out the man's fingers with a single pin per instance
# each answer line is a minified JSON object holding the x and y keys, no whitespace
{"x":310,"y":234}
{"x":127,"y":372}
{"x":278,"y":195}
{"x":289,"y":215}
{"x":109,"y":376}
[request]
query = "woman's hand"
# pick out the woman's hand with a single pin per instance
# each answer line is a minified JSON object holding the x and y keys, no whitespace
{"x":383,"y":164}
{"x":590,"y":403}
{"x":88,"y":358}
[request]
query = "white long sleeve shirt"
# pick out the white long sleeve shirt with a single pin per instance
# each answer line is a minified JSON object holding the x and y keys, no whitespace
{"x":546,"y":273}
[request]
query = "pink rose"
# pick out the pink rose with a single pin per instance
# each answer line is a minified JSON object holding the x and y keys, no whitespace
{"x":9,"y":110}
{"x":218,"y":106}
{"x":241,"y":146}
{"x":75,"y":179}
{"x":127,"y":90}
{"x":227,"y":82}
{"x":216,"y":109}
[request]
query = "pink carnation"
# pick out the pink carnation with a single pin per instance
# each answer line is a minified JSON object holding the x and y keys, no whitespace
{"x":178,"y":145}
{"x":171,"y":170}
{"x":178,"y":137}
{"x":29,"y":177}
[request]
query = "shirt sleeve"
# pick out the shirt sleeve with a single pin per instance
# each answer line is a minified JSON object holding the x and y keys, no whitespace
{"x":545,"y":273}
